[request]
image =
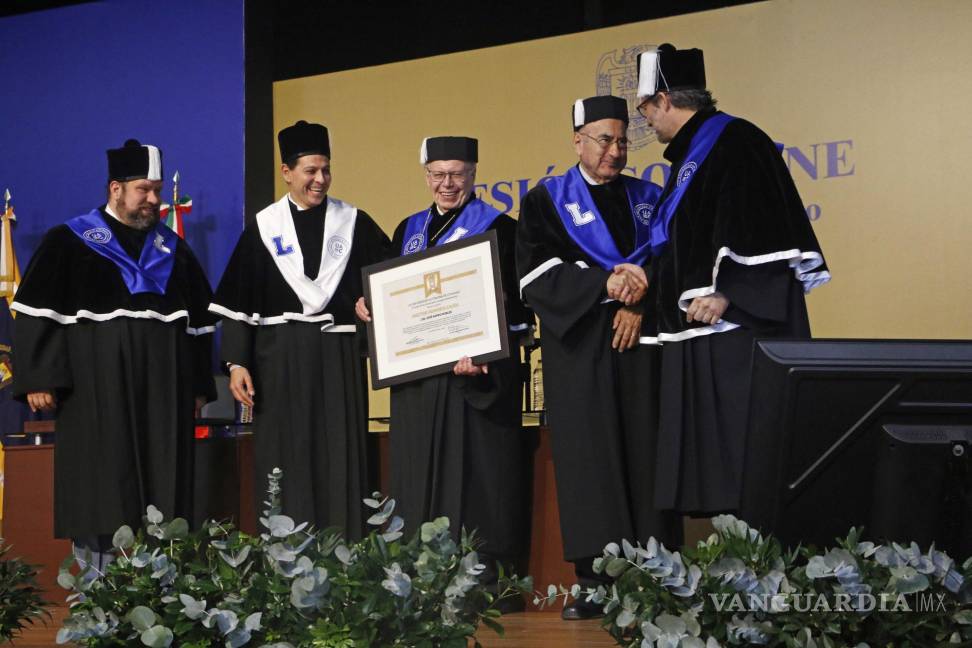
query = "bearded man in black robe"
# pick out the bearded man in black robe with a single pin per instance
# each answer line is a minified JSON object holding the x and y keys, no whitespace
{"x":457,"y":446}
{"x":113,"y":335}
{"x":289,"y":341}
{"x":739,"y":256}
{"x":583,"y":243}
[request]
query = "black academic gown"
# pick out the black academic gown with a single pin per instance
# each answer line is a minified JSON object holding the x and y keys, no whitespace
{"x":125,"y":378}
{"x":602,"y":405}
{"x":310,"y":414}
{"x":457,"y":447}
{"x":741,"y":203}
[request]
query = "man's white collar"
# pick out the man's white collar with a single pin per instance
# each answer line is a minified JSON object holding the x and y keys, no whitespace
{"x":297,"y":204}
{"x":588,"y":179}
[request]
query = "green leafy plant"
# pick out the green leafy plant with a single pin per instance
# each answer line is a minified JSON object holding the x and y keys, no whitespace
{"x":20,"y":597}
{"x":739,"y":588}
{"x":289,"y":586}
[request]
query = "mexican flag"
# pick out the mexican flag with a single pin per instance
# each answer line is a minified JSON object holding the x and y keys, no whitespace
{"x":173,"y":216}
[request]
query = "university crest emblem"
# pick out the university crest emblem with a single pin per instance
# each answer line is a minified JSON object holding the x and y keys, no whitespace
{"x":617,"y":74}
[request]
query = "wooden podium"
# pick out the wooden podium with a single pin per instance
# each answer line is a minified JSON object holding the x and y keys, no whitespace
{"x":28,"y":513}
{"x":224,"y":489}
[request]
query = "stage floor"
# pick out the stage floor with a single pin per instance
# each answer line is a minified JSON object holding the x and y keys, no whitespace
{"x":545,"y":630}
{"x":524,"y":630}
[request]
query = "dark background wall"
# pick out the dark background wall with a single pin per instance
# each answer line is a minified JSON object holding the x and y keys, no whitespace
{"x":289,"y":39}
{"x":327,"y":36}
{"x":196,"y":78}
{"x":79,"y":79}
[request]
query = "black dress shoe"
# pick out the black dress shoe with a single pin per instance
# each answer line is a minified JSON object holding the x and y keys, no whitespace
{"x":581,"y":609}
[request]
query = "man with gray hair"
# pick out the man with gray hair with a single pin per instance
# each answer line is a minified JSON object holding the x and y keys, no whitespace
{"x":736,"y":254}
{"x":583,"y":243}
{"x":114,"y":336}
{"x":457,"y":446}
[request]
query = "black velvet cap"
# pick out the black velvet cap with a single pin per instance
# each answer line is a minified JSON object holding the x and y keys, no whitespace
{"x":667,"y":68}
{"x":134,"y":161}
{"x":595,"y":109}
{"x":303,"y":139}
{"x":449,"y":148}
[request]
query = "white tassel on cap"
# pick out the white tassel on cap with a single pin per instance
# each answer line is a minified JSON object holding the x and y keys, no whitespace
{"x":578,"y":113}
{"x":424,"y":151}
{"x":155,"y":163}
{"x":648,"y":73}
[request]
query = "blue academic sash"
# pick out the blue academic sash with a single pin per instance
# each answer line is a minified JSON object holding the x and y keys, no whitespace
{"x":475,"y":218}
{"x":151,"y":273}
{"x":584,"y":224}
{"x":702,"y":142}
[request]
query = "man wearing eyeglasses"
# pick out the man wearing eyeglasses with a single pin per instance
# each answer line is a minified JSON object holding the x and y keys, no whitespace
{"x":739,"y":256}
{"x":583,"y":243}
{"x":456,"y":443}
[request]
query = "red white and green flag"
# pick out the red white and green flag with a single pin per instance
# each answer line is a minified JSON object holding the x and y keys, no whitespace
{"x":172,"y":214}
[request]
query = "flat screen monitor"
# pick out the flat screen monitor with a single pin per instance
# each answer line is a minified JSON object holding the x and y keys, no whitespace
{"x":865,"y":433}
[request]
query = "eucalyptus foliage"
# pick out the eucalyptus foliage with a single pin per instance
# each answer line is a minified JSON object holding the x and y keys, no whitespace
{"x":291,"y":586}
{"x":20,"y":597}
{"x":739,"y":588}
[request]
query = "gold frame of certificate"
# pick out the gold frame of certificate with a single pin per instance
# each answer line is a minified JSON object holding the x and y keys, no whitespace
{"x":431,"y":308}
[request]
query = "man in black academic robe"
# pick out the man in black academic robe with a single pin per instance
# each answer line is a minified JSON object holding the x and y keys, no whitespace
{"x":739,"y":257}
{"x":600,"y":383}
{"x":457,"y":447}
{"x":113,"y":334}
{"x":287,"y":305}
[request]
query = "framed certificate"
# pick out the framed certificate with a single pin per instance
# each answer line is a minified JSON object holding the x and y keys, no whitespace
{"x":431,"y":308}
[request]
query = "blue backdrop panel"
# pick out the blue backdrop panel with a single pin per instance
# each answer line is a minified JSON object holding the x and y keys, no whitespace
{"x":78,"y":80}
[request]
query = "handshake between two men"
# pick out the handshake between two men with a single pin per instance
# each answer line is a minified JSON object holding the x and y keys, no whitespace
{"x":628,"y":285}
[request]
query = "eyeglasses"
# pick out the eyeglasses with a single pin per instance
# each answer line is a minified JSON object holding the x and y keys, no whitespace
{"x":605,"y":142}
{"x":455,"y":176}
